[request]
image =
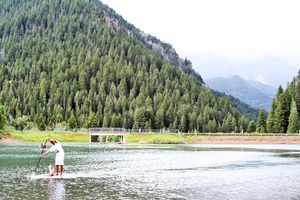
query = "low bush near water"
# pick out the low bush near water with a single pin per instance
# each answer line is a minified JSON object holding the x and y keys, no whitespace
{"x":153,"y":138}
{"x":162,"y":140}
{"x":113,"y":138}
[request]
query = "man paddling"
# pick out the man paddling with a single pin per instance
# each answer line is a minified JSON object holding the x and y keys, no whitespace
{"x":60,"y":155}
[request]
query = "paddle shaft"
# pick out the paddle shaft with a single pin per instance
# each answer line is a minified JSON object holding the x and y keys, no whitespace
{"x":41,"y":155}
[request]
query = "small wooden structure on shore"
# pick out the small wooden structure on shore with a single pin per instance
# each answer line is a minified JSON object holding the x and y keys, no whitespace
{"x":101,"y":135}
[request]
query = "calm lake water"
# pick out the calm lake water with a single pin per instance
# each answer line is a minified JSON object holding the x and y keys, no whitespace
{"x":155,"y":172}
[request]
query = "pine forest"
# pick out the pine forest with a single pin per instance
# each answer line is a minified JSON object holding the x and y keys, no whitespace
{"x":62,"y":64}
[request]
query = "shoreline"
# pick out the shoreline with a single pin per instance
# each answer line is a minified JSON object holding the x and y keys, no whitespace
{"x":243,"y":139}
{"x":8,"y":140}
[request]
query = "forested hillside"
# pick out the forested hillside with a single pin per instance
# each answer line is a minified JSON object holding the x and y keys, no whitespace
{"x":244,"y":108}
{"x":284,"y":114}
{"x":61,"y":62}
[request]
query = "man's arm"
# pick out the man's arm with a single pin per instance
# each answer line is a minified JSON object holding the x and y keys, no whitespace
{"x":46,"y":153}
{"x":51,"y":149}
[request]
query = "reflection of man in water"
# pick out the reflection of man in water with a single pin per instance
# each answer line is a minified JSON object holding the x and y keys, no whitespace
{"x":56,"y":188}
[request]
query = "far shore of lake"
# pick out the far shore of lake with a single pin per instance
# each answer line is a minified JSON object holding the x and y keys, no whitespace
{"x":13,"y":137}
{"x":8,"y":140}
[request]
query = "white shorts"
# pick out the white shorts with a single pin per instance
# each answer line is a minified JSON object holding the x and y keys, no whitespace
{"x":59,"y":159}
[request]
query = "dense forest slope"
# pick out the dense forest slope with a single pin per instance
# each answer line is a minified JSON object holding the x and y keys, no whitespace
{"x":61,"y":61}
{"x":284,"y":114}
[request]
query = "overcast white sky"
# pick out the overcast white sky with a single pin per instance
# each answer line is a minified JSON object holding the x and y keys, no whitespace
{"x":234,"y":29}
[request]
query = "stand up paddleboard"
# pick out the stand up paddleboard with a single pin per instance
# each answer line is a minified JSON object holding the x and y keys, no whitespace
{"x":45,"y":176}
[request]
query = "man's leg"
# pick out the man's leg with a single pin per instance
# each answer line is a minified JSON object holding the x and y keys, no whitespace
{"x":56,"y":168}
{"x":61,"y":169}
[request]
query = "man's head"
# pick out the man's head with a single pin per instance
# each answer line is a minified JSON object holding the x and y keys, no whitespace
{"x":52,"y":141}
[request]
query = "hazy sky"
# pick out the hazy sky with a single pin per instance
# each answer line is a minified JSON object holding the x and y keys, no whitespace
{"x":233,"y":29}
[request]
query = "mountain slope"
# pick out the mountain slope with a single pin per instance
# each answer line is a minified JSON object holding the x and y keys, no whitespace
{"x":250,"y":112}
{"x":253,"y":93}
{"x":61,"y":61}
{"x":265,"y":89}
{"x":163,"y":50}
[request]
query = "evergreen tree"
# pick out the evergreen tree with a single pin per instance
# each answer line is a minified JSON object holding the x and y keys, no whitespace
{"x":174,"y":125}
{"x":115,"y":121}
{"x":159,"y":119}
{"x":125,"y":123}
{"x":279,"y":91}
{"x":193,"y":122}
{"x":148,"y":124}
{"x":58,"y":113}
{"x":233,"y":124}
{"x":91,"y":121}
{"x":271,"y":121}
{"x":140,"y":118}
{"x":2,"y":117}
{"x":293,"y":119}
{"x":106,"y":121}
{"x":212,"y":124}
{"x":72,"y":122}
{"x":22,"y":122}
{"x":297,"y":97}
{"x":282,"y":113}
{"x":200,"y":124}
{"x":243,"y":124}
{"x":41,"y":121}
{"x":251,"y":127}
{"x":261,"y":123}
{"x":227,"y":124}
{"x":183,"y":124}
{"x":236,"y":129}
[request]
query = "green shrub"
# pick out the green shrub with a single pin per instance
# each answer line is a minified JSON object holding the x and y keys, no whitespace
{"x":164,"y":140}
{"x":115,"y":138}
{"x":153,"y":138}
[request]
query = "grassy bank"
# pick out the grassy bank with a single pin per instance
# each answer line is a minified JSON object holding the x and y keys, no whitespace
{"x":38,"y":136}
{"x":3,"y":133}
{"x":153,"y":138}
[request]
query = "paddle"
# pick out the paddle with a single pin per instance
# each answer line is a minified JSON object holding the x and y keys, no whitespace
{"x":43,"y":148}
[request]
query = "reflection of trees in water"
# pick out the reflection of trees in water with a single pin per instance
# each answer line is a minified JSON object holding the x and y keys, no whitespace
{"x":56,"y":189}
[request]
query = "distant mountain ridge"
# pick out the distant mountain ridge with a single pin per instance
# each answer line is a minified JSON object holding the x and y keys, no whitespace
{"x":270,"y":70}
{"x":256,"y":94}
{"x":266,"y":89}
